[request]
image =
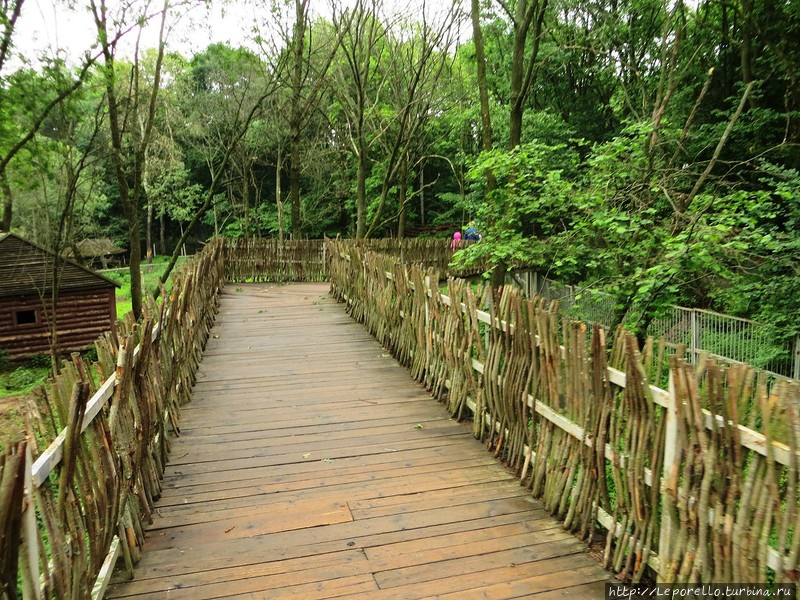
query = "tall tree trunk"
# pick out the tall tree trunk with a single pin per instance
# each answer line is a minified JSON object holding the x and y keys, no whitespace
{"x":149,"y":229}
{"x":278,"y":199}
{"x":402,"y":198}
{"x":162,"y":234}
{"x":294,"y":184}
{"x":725,"y":45}
{"x":8,"y":203}
{"x":129,"y":155}
{"x":295,"y":123}
{"x":421,"y":195}
{"x":246,"y":197}
{"x":529,"y":13}
{"x":361,"y":191}
{"x":483,"y":87}
{"x":747,"y":41}
{"x":516,"y":100}
{"x":63,"y":238}
{"x":135,"y":262}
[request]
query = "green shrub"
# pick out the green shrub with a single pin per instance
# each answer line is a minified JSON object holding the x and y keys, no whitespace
{"x":21,"y":377}
{"x":41,"y":361}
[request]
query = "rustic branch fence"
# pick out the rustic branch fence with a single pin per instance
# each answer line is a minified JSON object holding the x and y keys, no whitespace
{"x":74,"y":497}
{"x":259,"y":259}
{"x":698,"y":481}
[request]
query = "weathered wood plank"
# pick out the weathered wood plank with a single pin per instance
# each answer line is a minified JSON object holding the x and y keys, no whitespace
{"x":357,"y":486}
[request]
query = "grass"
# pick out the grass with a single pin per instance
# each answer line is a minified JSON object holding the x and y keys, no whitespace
{"x":16,"y":382}
{"x":19,"y":381}
{"x":150,"y":274}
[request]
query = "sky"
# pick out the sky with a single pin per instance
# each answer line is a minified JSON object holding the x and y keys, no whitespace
{"x":49,"y":24}
{"x":45,"y":25}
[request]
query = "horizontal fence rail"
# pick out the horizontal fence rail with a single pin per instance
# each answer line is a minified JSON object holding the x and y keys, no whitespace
{"x":699,"y":481}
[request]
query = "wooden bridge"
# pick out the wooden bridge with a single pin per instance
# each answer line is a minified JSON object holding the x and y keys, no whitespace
{"x":310,"y":465}
{"x":253,"y":439}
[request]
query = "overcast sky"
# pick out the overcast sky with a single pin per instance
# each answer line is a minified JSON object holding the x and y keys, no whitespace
{"x":46,"y":25}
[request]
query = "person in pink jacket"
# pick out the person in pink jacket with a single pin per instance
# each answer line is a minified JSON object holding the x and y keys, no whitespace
{"x":456,"y":243}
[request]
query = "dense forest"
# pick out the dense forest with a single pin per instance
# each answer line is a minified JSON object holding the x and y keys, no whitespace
{"x":648,"y":148}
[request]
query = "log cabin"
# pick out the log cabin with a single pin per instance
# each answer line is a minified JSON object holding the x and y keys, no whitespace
{"x":86,"y":305}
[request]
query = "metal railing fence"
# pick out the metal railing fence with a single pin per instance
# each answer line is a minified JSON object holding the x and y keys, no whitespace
{"x":729,"y":338}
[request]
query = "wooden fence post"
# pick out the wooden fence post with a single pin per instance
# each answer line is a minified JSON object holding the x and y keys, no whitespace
{"x":428,"y":299}
{"x":31,"y":587}
{"x":796,"y":367}
{"x":670,"y":464}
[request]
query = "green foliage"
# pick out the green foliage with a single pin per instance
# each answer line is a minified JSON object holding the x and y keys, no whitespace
{"x":524,"y":218}
{"x":40,"y":361}
{"x":618,"y":129}
{"x":759,"y":253}
{"x":150,"y":277}
{"x":22,"y":380}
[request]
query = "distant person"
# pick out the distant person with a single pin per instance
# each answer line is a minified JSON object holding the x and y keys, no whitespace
{"x":456,"y":243}
{"x":471,"y":234}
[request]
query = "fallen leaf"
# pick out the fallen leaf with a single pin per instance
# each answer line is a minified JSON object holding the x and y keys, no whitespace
{"x":306,"y":454}
{"x":419,"y":426}
{"x":327,"y":460}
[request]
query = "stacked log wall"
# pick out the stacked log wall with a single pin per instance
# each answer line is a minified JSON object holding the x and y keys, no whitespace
{"x":82,"y":317}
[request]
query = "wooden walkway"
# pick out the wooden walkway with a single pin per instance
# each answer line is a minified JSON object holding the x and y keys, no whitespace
{"x":311,"y":465}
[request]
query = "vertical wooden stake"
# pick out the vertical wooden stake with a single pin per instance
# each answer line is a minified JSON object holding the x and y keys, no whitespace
{"x":31,"y":588}
{"x":670,"y":465}
{"x":428,"y":298}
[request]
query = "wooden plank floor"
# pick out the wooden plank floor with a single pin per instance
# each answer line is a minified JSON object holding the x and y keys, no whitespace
{"x":311,"y":465}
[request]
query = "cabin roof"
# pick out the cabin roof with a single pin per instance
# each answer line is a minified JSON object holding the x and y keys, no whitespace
{"x":94,"y":247}
{"x":27,"y":269}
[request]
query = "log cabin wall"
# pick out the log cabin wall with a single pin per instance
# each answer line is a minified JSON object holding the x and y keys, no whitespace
{"x":86,"y":301}
{"x":82,"y":317}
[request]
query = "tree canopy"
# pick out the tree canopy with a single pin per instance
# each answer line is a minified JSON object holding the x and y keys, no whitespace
{"x":648,"y":148}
